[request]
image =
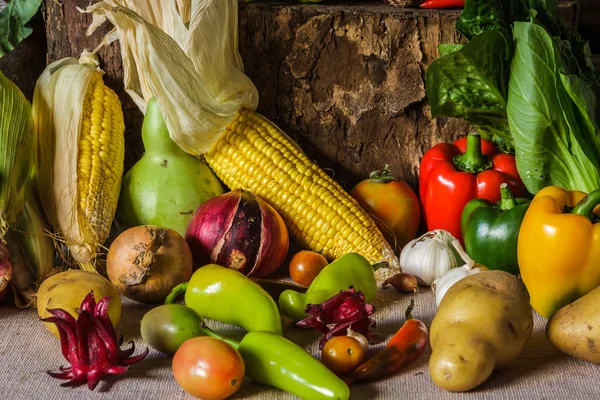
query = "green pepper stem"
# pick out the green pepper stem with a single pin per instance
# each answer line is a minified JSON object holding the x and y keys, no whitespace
{"x":408,"y":312}
{"x":507,"y":199}
{"x":473,"y":160}
{"x":382,"y":175}
{"x":176,"y":292}
{"x":586,"y":205}
{"x":209,"y":332}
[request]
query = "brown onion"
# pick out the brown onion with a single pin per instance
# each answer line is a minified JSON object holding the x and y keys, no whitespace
{"x":146,"y":262}
{"x":238,"y":230}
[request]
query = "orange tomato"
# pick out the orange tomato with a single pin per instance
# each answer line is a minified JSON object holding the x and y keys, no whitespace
{"x":305,"y":266}
{"x":342,"y":354}
{"x":208,"y":368}
{"x":393,"y":205}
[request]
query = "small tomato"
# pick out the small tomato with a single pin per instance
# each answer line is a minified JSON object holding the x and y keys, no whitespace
{"x":208,"y":368}
{"x":393,"y":204}
{"x":342,"y":354}
{"x":305,"y":266}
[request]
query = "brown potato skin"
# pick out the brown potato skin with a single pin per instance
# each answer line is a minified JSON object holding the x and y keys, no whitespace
{"x":482,"y":324}
{"x":575,"y":328}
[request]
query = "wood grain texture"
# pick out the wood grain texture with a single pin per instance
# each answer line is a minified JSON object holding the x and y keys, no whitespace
{"x":346,"y":81}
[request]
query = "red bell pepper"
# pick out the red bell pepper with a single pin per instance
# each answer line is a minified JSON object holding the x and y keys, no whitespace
{"x":452,"y":174}
{"x":443,"y":4}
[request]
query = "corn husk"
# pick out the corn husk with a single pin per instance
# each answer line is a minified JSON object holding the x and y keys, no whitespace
{"x":57,"y":112}
{"x":16,"y":152}
{"x":198,"y":80}
{"x":32,"y":252}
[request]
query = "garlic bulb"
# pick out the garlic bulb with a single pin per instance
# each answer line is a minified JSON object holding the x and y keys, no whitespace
{"x":430,"y":256}
{"x":441,"y":285}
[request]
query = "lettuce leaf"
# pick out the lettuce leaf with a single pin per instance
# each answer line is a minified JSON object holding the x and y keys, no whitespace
{"x":471,"y":83}
{"x":552,"y":115}
{"x":14,"y":16}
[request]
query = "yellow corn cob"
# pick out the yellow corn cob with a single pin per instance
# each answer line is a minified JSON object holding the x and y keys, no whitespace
{"x":255,"y":155}
{"x":79,"y":153}
{"x":100,"y":162}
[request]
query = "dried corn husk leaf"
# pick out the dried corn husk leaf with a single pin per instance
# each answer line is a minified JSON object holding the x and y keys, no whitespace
{"x":32,"y":252}
{"x":16,"y":152}
{"x":162,"y":13}
{"x":58,"y":113}
{"x":197,"y":99}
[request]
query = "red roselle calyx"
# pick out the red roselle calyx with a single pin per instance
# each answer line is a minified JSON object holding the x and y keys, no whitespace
{"x":238,"y":230}
{"x":6,"y":270}
{"x":90,"y":344}
{"x":347,"y":309}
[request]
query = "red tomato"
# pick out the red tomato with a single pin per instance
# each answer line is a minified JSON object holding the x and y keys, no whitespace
{"x":305,"y":266}
{"x":394,"y":207}
{"x":208,"y":368}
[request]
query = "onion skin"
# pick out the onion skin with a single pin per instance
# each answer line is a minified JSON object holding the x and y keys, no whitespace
{"x":238,"y":230}
{"x":146,"y":262}
{"x":6,"y":270}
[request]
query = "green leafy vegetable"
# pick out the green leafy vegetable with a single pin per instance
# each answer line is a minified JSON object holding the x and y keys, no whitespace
{"x":479,"y":16}
{"x":555,"y":137}
{"x":471,"y":83}
{"x":13,"y":19}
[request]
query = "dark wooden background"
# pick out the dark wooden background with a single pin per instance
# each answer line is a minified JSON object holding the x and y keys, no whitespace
{"x":345,"y":78}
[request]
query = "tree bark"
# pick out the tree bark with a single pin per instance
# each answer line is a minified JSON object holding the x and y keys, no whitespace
{"x":345,"y":81}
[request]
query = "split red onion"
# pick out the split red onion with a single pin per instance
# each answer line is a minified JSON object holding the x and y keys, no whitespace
{"x":238,"y":230}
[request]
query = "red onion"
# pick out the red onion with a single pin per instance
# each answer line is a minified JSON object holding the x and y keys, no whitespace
{"x":238,"y":230}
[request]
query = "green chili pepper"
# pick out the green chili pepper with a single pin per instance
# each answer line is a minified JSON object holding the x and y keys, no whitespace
{"x":490,"y":230}
{"x":349,"y":270}
{"x":226,"y":295}
{"x":275,"y":361}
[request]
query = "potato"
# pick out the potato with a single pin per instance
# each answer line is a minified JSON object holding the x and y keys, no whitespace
{"x":482,"y":324}
{"x":575,"y":328}
{"x":67,"y":289}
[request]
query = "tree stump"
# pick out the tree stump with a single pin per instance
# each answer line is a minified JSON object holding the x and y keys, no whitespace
{"x":346,"y":81}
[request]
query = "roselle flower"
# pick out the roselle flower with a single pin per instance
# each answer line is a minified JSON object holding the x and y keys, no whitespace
{"x":347,"y":309}
{"x":90,"y":344}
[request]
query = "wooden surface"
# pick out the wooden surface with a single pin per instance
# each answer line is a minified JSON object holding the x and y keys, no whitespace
{"x":344,"y":80}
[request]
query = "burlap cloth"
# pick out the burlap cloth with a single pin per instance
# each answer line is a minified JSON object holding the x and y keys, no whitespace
{"x":27,"y":350}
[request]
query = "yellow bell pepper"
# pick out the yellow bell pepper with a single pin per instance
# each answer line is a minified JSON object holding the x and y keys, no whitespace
{"x":559,"y":248}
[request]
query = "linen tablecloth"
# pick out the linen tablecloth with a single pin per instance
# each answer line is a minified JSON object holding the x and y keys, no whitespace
{"x":27,"y":350}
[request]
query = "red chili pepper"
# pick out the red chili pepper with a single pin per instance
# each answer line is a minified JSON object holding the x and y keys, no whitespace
{"x":402,"y":349}
{"x":453,"y":174}
{"x":443,"y":4}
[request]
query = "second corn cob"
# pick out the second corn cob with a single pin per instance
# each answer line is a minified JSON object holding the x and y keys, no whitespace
{"x":255,"y":155}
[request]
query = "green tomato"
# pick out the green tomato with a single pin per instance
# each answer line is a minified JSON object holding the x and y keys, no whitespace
{"x":166,"y":327}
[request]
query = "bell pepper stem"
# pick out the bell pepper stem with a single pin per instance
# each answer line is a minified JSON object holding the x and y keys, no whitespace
{"x":382,"y":175}
{"x":176,"y":292}
{"x":586,"y":205}
{"x":507,"y":199}
{"x":473,"y":160}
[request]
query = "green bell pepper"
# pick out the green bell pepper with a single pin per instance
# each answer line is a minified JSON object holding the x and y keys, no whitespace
{"x":226,"y":295}
{"x":349,"y":270}
{"x":491,"y":230}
